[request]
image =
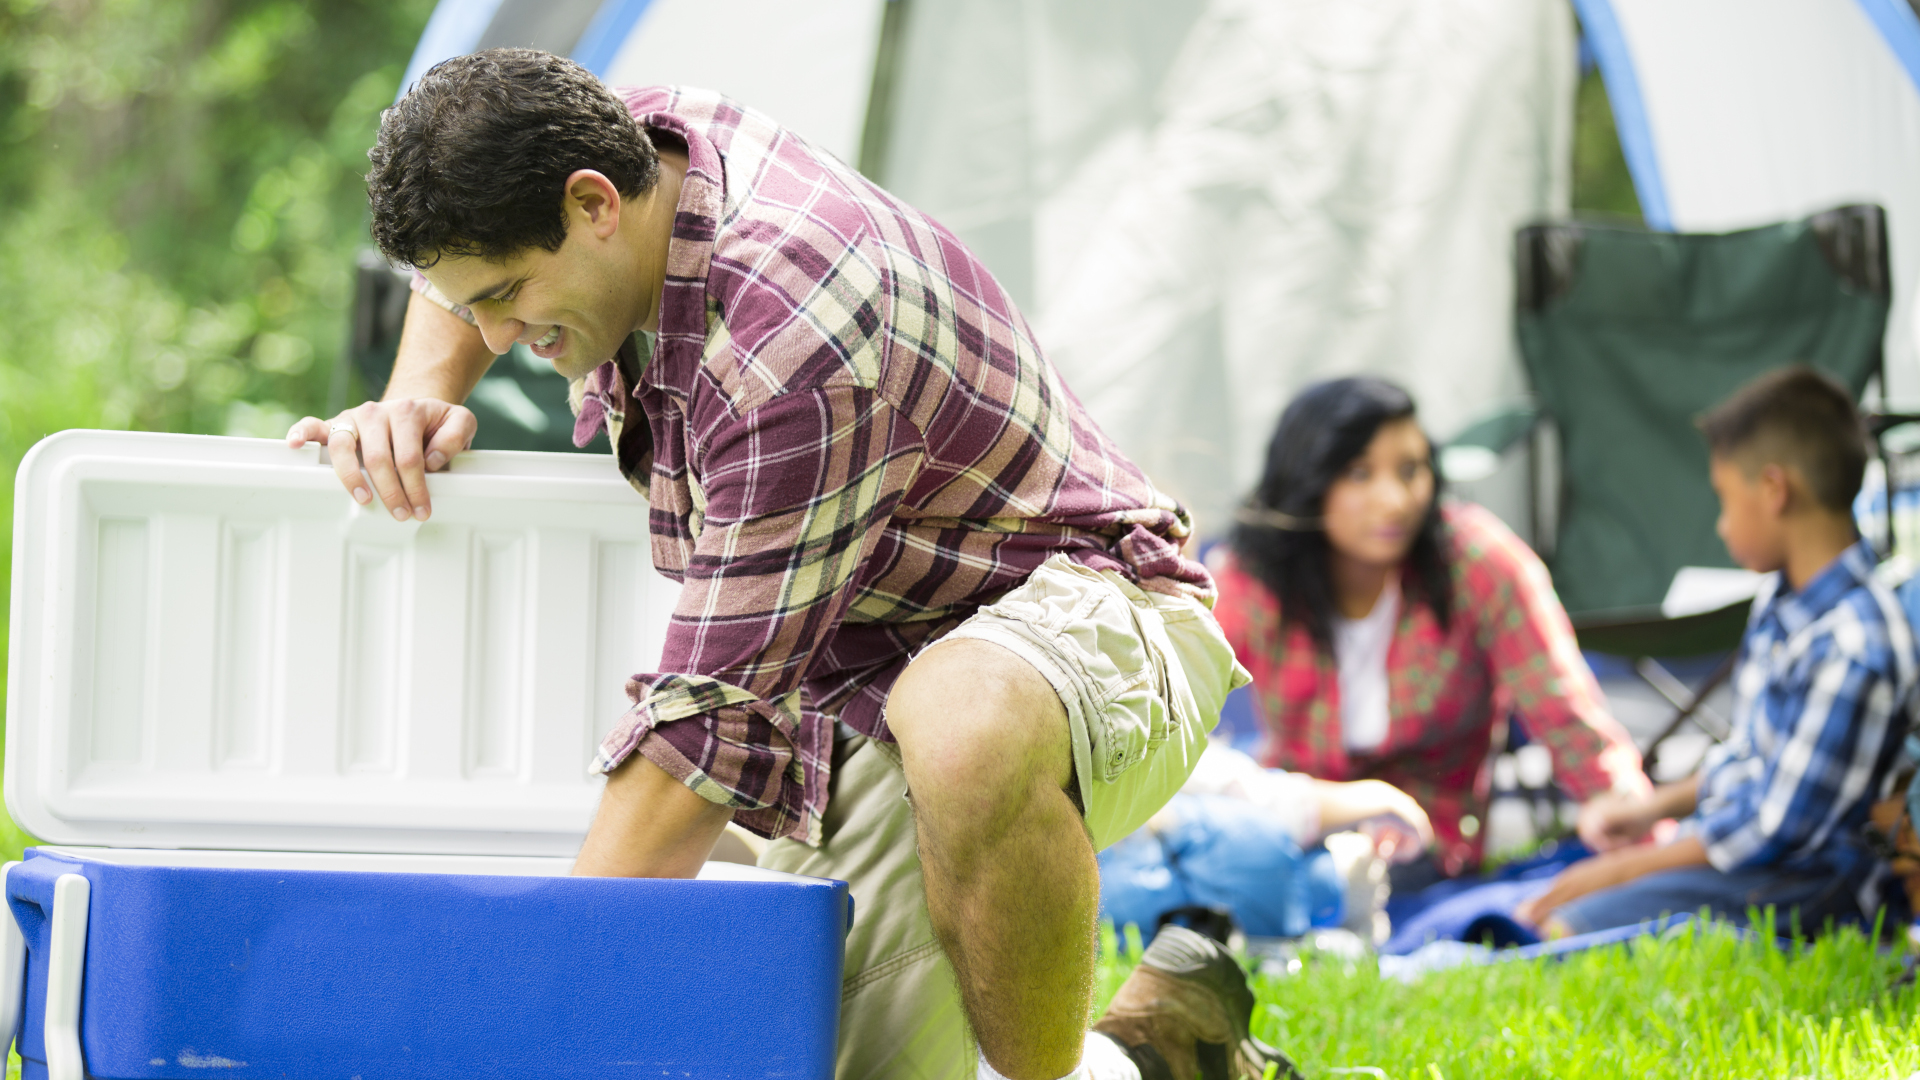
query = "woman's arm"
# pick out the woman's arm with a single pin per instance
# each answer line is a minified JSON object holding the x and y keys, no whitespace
{"x":1398,"y":826}
{"x":1530,"y":645}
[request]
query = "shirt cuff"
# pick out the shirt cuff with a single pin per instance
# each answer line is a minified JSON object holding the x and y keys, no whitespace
{"x":1723,"y":834}
{"x":730,"y":747}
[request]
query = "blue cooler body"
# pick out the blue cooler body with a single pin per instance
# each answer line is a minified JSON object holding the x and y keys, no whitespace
{"x":316,"y":778}
{"x":329,"y":975}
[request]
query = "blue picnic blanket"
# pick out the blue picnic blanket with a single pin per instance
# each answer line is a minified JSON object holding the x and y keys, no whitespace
{"x":1478,"y":908}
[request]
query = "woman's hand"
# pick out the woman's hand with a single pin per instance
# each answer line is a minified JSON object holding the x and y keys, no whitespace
{"x":1398,"y":827}
{"x":1614,"y":820}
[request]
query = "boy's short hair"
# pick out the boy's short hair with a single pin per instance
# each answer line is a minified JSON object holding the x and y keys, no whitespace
{"x":473,"y":161}
{"x":1798,"y":417}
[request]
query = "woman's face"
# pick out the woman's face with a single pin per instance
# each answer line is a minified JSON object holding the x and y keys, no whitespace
{"x":1375,"y":506}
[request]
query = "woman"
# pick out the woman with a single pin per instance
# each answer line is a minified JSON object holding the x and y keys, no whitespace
{"x":1389,"y":633}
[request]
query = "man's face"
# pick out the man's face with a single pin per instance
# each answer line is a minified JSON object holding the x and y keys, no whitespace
{"x":573,"y":307}
{"x":1750,"y":513}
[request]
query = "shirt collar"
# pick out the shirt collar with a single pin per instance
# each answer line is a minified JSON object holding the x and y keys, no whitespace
{"x":681,"y":340}
{"x":1798,"y":608}
{"x":683,"y":299}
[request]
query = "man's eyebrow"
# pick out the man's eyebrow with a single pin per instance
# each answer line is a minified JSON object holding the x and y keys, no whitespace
{"x":489,"y":292}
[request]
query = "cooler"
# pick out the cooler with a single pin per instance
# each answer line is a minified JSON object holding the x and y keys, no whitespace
{"x":312,"y":781}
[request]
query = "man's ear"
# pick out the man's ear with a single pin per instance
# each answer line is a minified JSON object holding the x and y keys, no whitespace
{"x":592,"y":201}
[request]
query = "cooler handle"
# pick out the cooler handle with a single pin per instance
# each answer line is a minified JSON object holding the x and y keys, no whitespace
{"x":13,"y":968}
{"x":65,"y":929}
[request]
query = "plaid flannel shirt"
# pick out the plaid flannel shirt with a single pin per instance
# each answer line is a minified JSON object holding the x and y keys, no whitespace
{"x":1509,"y":648}
{"x":1821,"y":705}
{"x":849,"y":442}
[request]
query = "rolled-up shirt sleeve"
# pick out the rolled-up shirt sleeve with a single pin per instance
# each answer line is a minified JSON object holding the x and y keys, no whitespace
{"x":798,"y":491}
{"x":1761,"y":809}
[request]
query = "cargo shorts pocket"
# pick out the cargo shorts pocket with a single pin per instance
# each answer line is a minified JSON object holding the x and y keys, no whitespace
{"x":1103,"y":651}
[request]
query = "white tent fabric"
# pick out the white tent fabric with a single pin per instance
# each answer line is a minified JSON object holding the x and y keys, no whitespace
{"x":1206,"y":204}
{"x":1735,"y":113}
{"x":1203,"y":205}
{"x":809,"y":66}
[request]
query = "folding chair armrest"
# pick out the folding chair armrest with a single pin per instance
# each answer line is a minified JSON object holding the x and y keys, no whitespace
{"x":1475,"y":452}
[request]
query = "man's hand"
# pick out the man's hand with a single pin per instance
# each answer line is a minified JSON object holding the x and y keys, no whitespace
{"x":649,"y":825}
{"x":398,"y":442}
{"x":417,"y":429}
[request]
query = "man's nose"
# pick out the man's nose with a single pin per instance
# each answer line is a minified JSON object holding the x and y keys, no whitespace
{"x":499,"y":333}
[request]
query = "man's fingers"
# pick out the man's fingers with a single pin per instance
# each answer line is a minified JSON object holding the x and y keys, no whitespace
{"x":409,"y":439}
{"x":308,"y":429}
{"x":396,"y":443}
{"x":451,"y":435}
{"x":376,"y":453}
{"x":344,"y":451}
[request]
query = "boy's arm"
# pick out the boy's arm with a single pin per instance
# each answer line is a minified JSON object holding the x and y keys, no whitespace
{"x":1616,"y":820}
{"x":1609,"y":870}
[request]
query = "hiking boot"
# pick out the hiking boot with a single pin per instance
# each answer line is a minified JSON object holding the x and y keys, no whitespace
{"x":1185,"y":1011}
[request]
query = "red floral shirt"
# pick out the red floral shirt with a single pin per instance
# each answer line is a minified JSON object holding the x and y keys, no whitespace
{"x":1509,"y":650}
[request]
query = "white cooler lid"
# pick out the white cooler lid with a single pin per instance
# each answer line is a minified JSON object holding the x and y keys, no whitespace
{"x":214,"y":647}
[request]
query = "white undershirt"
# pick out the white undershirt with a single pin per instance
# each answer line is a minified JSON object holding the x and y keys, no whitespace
{"x":1360,"y":648}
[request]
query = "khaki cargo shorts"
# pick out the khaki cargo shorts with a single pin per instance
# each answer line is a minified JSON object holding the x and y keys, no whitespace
{"x":1142,"y":676}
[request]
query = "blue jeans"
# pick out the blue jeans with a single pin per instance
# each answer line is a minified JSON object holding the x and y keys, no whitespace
{"x":1800,"y":900}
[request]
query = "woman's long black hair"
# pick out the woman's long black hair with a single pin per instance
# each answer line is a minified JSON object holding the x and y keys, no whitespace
{"x":1278,"y":537}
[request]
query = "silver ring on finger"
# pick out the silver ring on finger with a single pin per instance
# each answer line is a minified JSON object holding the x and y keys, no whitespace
{"x":338,"y":426}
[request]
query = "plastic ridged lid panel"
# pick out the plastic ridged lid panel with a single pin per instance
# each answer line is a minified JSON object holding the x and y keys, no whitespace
{"x":214,"y":647}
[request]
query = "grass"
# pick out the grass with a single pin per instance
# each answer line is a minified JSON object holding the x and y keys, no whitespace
{"x":1700,"y":1003}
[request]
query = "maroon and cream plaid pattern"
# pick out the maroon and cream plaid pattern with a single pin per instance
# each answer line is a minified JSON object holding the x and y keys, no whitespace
{"x":851,"y":442}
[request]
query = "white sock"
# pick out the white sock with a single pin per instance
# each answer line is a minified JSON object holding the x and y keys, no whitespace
{"x":1101,"y":1060}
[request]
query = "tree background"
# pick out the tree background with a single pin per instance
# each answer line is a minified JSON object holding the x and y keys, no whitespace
{"x":181,"y":204}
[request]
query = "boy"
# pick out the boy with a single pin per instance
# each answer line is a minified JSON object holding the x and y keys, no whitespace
{"x":1773,"y":816}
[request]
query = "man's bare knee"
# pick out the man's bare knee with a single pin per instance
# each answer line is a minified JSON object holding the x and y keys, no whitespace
{"x":978,"y":725}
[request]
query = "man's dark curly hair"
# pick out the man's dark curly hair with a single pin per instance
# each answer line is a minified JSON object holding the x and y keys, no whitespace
{"x":474,"y":160}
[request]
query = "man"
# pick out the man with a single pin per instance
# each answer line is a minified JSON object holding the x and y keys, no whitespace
{"x":910,"y":563}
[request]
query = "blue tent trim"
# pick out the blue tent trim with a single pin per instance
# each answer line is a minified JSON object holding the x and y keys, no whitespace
{"x":453,"y":29}
{"x":1609,"y":46}
{"x":610,"y":28}
{"x":1899,"y":25}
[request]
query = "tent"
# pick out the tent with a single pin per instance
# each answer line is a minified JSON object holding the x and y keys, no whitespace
{"x":1202,"y":205}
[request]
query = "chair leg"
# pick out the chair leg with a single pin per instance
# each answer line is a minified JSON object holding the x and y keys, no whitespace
{"x":1689,"y":704}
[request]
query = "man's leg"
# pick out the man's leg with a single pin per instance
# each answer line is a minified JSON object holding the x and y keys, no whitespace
{"x":900,"y":1012}
{"x":1012,"y":885}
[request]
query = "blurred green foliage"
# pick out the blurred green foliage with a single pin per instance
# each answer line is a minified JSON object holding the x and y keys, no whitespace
{"x":180,"y":203}
{"x":1601,"y":182}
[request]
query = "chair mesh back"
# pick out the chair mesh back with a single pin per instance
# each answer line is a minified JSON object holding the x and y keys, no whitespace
{"x":1629,"y":335}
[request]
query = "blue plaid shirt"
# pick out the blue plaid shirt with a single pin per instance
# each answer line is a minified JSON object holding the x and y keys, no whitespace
{"x":1821,"y":697}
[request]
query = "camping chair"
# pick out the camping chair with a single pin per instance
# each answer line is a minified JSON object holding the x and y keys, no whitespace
{"x":521,"y":403}
{"x":1627,"y":336}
